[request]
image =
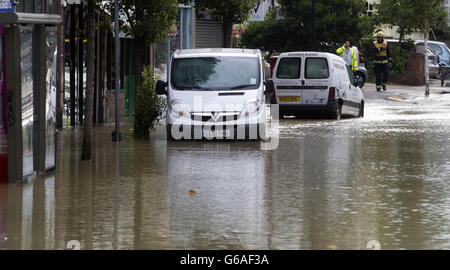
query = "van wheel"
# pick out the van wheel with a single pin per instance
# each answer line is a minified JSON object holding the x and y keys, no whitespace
{"x":337,"y":114}
{"x":361,"y":109}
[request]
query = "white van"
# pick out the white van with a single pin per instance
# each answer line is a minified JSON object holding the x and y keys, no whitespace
{"x":215,"y":94}
{"x":316,"y":82}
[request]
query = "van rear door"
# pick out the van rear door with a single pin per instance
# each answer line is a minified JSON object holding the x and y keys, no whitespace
{"x":316,"y":81}
{"x":287,"y":80}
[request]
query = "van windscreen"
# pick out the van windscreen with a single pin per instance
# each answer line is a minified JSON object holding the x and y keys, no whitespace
{"x":289,"y":68}
{"x":216,"y":73}
{"x":316,"y":68}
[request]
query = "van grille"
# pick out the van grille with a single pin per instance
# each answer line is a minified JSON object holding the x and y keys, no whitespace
{"x":219,"y":116}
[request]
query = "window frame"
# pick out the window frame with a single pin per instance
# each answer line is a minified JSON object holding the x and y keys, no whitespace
{"x":350,"y":76}
{"x":316,"y":78}
{"x":299,"y":67}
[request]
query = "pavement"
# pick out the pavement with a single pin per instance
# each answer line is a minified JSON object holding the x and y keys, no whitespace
{"x":406,"y":93}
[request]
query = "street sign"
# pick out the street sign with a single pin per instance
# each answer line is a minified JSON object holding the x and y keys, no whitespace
{"x":6,"y":6}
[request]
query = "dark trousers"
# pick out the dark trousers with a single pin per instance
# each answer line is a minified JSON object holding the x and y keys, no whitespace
{"x":381,"y":74}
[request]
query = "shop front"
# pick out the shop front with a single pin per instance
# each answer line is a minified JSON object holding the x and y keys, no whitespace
{"x":28,"y":95}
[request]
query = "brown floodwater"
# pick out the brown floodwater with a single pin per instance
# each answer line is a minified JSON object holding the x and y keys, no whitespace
{"x":330,"y":183}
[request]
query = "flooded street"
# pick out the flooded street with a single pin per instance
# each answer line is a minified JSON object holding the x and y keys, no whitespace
{"x":330,"y":184}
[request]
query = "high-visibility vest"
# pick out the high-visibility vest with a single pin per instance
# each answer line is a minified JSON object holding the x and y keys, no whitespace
{"x":381,"y":55}
{"x":341,"y":52}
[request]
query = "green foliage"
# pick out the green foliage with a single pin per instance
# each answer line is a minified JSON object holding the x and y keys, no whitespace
{"x":228,"y":11}
{"x":149,"y":107}
{"x":289,"y":26}
{"x":411,"y":15}
{"x":146,"y":20}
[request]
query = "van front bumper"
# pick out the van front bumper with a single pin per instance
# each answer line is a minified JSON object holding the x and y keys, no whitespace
{"x":248,"y":128}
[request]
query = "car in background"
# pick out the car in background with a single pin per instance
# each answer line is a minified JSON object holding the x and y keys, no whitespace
{"x":361,"y":74}
{"x":433,"y":59}
{"x":441,"y":50}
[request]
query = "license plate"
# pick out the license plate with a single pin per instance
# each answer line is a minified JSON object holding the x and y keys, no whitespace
{"x":216,"y":133}
{"x":288,"y":99}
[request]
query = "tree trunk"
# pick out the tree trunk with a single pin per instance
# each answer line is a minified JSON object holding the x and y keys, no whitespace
{"x":139,"y":60}
{"x":228,"y":34}
{"x":87,"y":124}
{"x":139,"y":46}
{"x":425,"y":45}
{"x":101,"y":88}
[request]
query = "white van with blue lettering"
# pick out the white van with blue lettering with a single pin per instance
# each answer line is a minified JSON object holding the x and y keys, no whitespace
{"x":316,"y":82}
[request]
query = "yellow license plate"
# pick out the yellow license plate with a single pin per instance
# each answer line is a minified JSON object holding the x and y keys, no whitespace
{"x":288,"y":99}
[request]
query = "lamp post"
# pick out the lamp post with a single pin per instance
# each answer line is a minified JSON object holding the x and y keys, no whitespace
{"x":116,"y":134}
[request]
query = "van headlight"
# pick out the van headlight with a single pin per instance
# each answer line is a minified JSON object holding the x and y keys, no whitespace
{"x":179,"y":109}
{"x":250,"y":108}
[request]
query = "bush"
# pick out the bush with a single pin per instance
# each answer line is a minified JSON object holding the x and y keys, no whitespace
{"x":149,"y":107}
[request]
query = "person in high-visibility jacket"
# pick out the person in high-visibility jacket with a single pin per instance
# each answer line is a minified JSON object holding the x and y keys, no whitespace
{"x":349,"y":55}
{"x":382,"y":61}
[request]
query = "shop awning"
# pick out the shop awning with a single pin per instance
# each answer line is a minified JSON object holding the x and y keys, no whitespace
{"x":29,"y":18}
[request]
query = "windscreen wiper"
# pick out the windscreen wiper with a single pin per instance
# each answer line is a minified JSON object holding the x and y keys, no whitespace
{"x":190,"y":88}
{"x":242,"y":86}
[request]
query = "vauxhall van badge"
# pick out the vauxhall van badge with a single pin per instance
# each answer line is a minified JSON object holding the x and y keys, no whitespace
{"x":215,"y":116}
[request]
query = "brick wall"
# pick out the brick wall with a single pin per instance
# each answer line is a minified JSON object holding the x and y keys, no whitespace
{"x":415,"y":74}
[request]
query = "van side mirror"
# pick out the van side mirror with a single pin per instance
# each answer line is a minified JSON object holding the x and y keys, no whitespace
{"x":161,"y":87}
{"x":270,"y":87}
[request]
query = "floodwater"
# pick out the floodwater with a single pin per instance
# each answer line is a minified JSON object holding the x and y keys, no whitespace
{"x":330,"y":184}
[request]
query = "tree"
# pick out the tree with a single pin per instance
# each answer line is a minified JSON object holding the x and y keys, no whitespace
{"x":397,"y":13}
{"x":229,"y":12}
{"x":289,"y":26}
{"x":413,"y":15}
{"x":87,"y":124}
{"x":147,"y":21}
{"x":429,"y":13}
{"x":149,"y":106}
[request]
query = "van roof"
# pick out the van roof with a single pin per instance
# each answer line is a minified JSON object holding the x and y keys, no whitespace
{"x":217,"y":51}
{"x":309,"y":53}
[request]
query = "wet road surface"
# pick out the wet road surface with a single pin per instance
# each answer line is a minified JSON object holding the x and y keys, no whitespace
{"x":330,"y":184}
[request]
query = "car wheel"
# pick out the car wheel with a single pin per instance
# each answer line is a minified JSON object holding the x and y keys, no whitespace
{"x":360,"y":79}
{"x":361,"y":109}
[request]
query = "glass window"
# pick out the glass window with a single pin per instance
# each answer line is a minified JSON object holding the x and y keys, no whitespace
{"x":436,"y":48}
{"x":350,"y":76}
{"x":160,"y":60}
{"x":316,"y":68}
{"x":289,"y":68}
{"x":50,"y":98}
{"x":26,"y":50}
{"x":216,"y":73}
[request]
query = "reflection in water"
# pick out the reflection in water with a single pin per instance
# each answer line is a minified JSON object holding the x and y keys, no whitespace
{"x":329,"y":183}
